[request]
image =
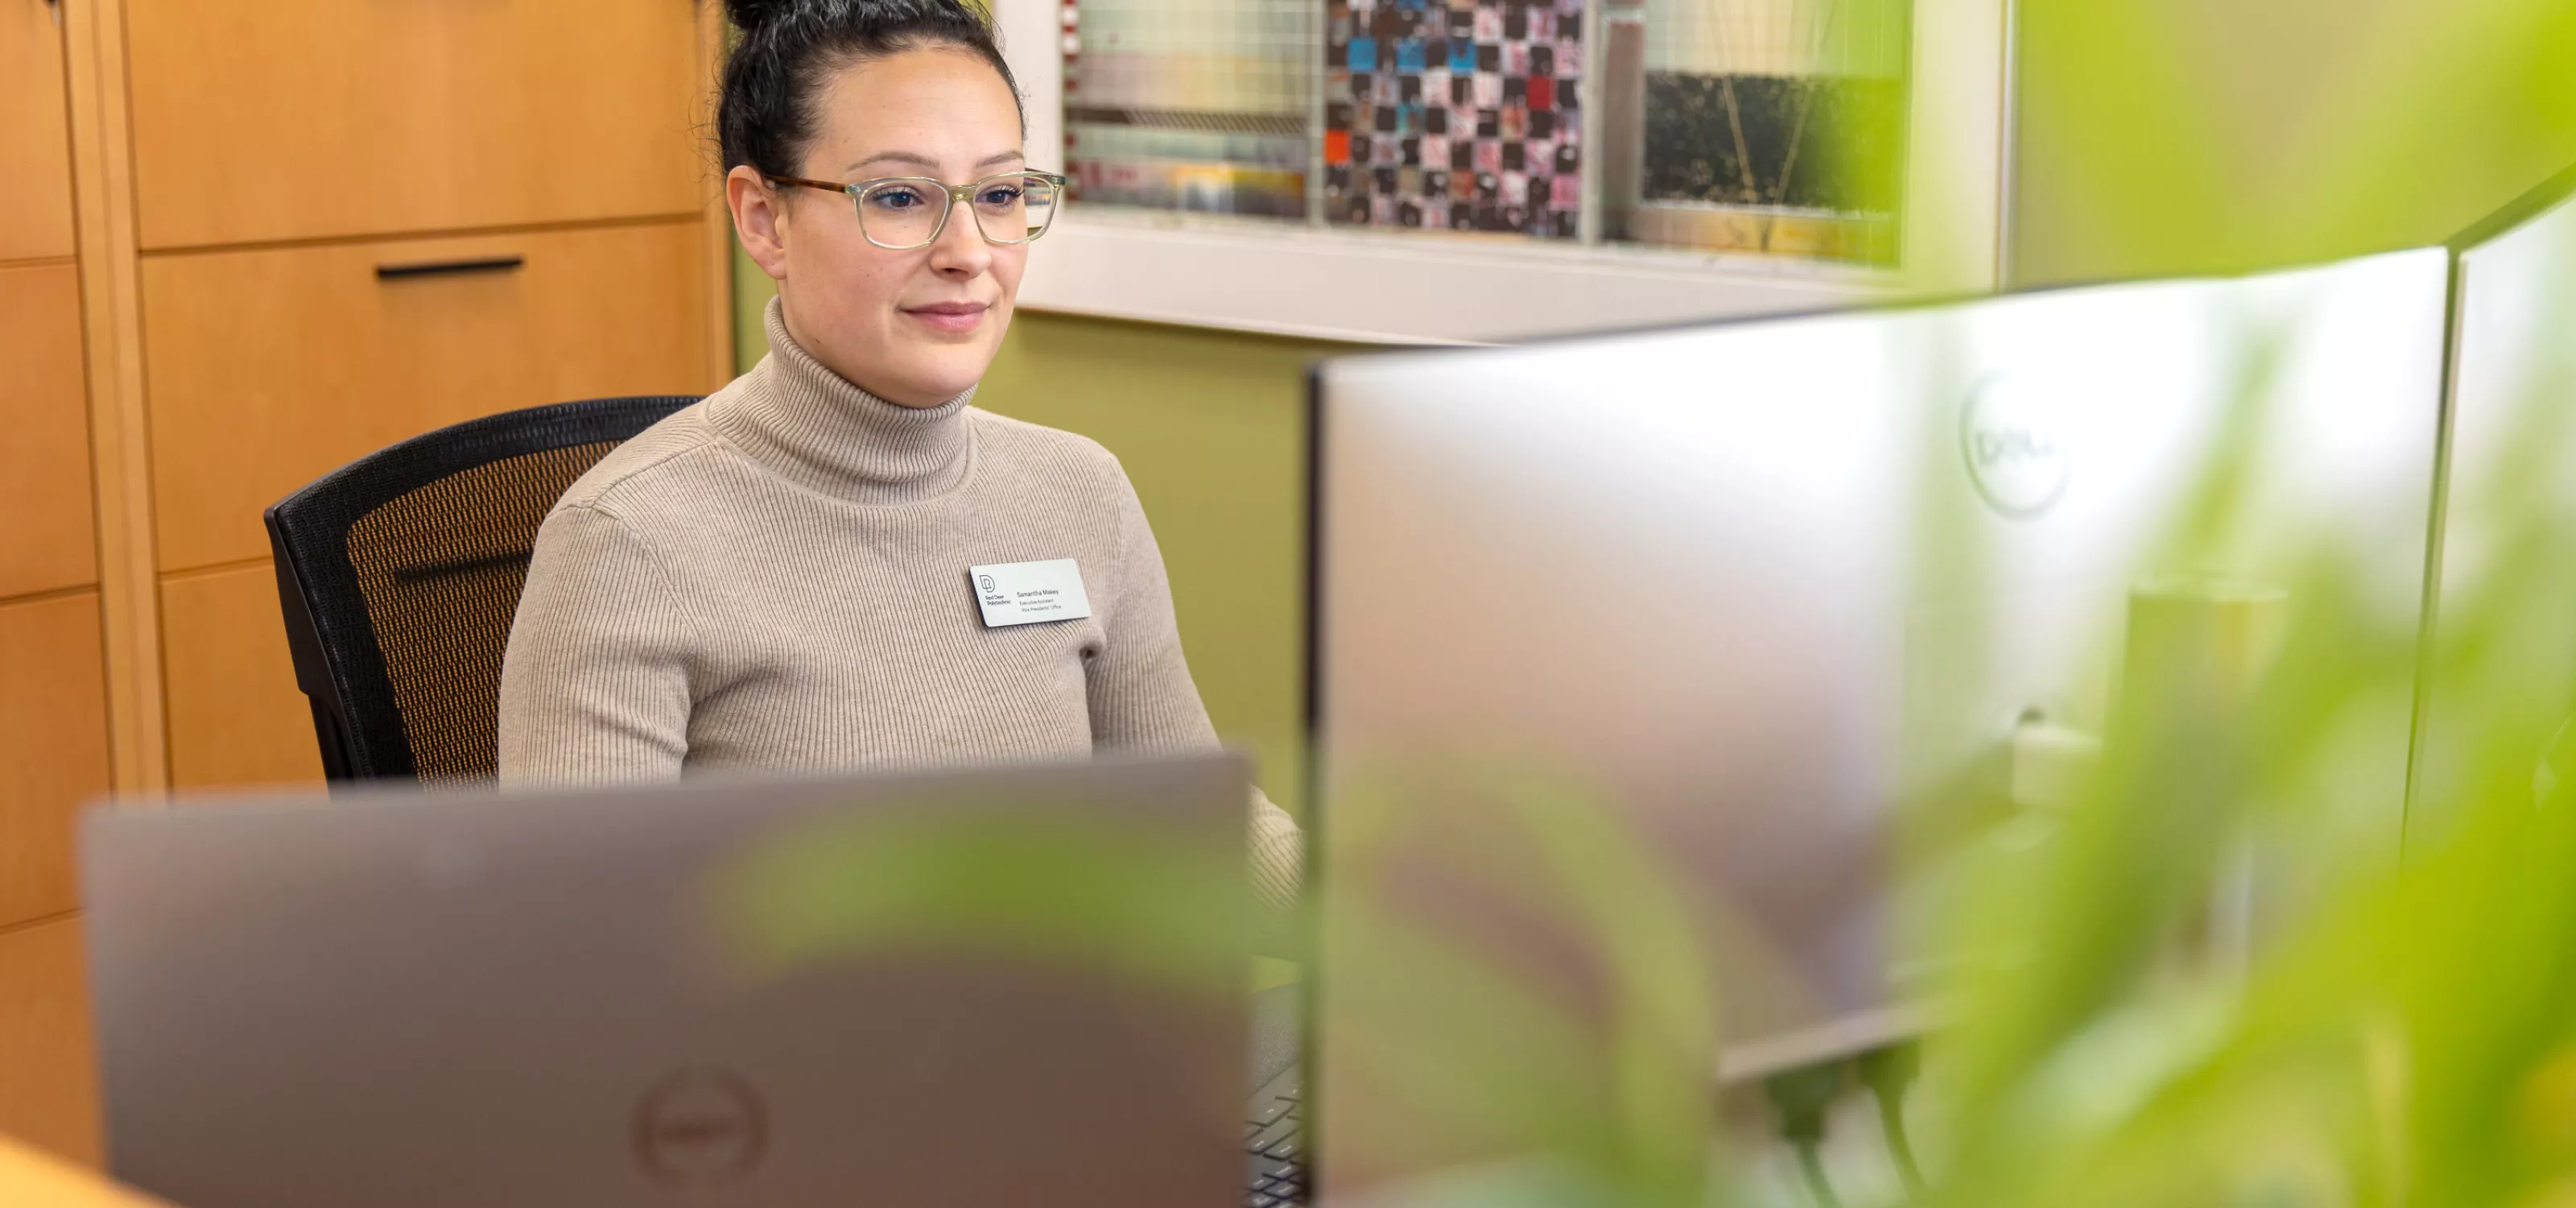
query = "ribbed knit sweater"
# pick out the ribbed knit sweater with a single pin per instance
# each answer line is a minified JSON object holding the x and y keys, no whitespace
{"x":775,"y":578}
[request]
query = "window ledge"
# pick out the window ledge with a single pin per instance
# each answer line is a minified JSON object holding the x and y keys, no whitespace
{"x":1394,"y":287}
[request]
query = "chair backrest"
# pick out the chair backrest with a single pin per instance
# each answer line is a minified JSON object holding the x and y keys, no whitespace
{"x":400,"y":572}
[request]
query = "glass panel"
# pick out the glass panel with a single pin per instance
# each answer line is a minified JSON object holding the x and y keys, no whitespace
{"x":1189,"y":104}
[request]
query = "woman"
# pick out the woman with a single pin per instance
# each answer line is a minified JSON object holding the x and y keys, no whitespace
{"x":778,"y":577}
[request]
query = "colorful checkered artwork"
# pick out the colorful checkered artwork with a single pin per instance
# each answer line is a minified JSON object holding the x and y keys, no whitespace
{"x":1454,"y":114}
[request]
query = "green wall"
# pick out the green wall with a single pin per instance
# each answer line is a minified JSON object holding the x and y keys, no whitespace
{"x":2166,"y":137}
{"x":1211,"y":428}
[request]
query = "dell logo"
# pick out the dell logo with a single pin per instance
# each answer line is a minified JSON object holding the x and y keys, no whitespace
{"x":700,"y":1127}
{"x":2015,"y":448}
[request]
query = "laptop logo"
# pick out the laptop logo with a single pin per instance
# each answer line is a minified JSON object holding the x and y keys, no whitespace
{"x":700,"y":1127}
{"x":2015,"y":446}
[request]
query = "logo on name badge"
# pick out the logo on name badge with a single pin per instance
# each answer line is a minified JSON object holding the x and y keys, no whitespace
{"x":1025,"y":593}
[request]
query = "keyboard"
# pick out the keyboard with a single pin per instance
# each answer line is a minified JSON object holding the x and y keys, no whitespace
{"x":1274,"y":1146}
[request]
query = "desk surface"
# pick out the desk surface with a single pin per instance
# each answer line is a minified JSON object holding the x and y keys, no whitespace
{"x":32,"y":1178}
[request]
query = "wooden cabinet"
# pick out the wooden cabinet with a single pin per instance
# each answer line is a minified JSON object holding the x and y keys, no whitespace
{"x":304,"y":119}
{"x":258,"y":186}
{"x":50,"y":539}
{"x":196,"y":201}
{"x":271,"y":367}
{"x":35,"y":140}
{"x":236,"y":717}
{"x":48,"y":1074}
{"x":53,"y":747}
{"x":54,"y":738}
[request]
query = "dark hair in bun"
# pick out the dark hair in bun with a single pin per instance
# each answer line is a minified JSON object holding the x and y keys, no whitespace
{"x":749,"y":15}
{"x":791,"y":48}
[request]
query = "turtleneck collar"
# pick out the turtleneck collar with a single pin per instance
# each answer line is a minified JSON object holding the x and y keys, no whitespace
{"x":795,"y":416}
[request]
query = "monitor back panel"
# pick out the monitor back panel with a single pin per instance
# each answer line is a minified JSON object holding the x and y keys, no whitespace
{"x":1746,"y":588}
{"x":2502,"y":647}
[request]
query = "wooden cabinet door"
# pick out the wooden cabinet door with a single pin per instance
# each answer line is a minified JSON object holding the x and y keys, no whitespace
{"x":300,"y":119}
{"x":53,"y":747}
{"x":48,"y":1074}
{"x":35,"y":136}
{"x":48,"y":539}
{"x":236,"y":717}
{"x":270,"y":368}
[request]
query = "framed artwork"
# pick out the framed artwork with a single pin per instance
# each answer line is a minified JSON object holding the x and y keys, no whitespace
{"x":1460,"y":115}
{"x":1486,"y":169}
{"x":1776,"y":127}
{"x":1189,"y":106}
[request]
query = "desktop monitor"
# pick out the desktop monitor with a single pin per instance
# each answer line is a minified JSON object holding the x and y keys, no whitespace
{"x":1751,"y":585}
{"x":2500,"y":651}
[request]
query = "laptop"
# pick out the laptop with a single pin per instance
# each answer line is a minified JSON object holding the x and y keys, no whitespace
{"x":712,"y":993}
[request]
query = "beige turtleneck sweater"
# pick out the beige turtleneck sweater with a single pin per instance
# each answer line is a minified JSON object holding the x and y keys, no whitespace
{"x":775,"y":578}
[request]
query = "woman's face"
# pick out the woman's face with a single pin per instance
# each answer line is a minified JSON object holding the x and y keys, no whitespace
{"x":913,"y":327}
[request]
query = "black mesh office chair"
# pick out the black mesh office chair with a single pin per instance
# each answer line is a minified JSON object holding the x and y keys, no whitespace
{"x":399,"y":574}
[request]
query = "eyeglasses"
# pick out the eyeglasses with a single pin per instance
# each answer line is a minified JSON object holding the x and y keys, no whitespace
{"x":900,"y":213}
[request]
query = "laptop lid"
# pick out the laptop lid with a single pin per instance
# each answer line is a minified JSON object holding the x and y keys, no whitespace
{"x":710,"y":993}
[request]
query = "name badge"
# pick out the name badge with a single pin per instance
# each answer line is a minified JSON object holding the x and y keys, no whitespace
{"x":1020,"y":593}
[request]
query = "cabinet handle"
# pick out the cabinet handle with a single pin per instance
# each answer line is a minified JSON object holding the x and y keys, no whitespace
{"x":450,"y":268}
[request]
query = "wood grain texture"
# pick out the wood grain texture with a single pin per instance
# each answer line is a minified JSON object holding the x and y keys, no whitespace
{"x":271,"y":368}
{"x":53,"y":747}
{"x":112,"y":320}
{"x":301,"y":119}
{"x":236,"y":717}
{"x":48,"y":1067}
{"x":35,"y":138}
{"x":48,"y":536}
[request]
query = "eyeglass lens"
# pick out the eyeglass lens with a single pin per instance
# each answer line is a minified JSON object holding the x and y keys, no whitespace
{"x":1010,"y":209}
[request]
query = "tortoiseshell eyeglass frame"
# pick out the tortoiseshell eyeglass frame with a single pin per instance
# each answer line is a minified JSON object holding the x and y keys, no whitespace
{"x":858,"y":190}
